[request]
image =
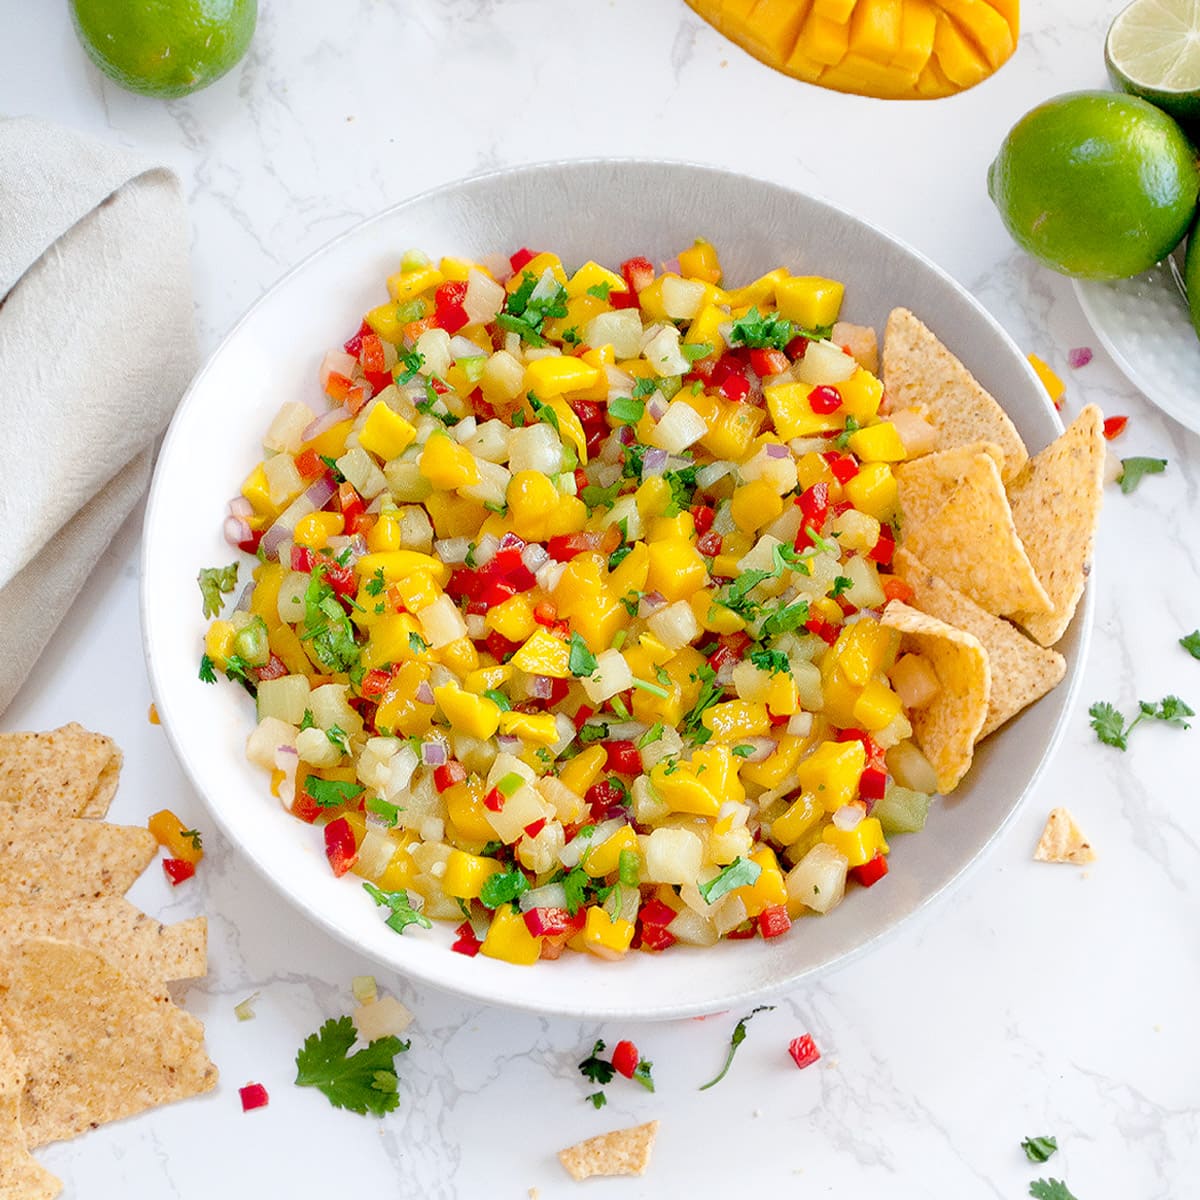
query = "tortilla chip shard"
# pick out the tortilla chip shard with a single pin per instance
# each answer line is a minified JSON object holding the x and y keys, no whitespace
{"x":1021,"y":671}
{"x":925,"y":484}
{"x":972,"y":543}
{"x":69,"y":860}
{"x":919,"y":372}
{"x":621,"y":1152}
{"x":21,"y":1178}
{"x":93,"y":1044}
{"x":149,"y":952}
{"x":66,"y":772}
{"x":1056,"y":503}
{"x":1062,"y":841}
{"x":946,"y":729}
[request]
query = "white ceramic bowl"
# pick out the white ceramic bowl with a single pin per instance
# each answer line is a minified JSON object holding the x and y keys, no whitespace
{"x":608,"y":211}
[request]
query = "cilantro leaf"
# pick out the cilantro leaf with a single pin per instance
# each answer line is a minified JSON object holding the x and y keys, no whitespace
{"x":596,"y":1069}
{"x":1109,"y":724}
{"x":1132,"y":470}
{"x":1112,"y":729}
{"x":843,"y":439}
{"x":363,"y":1082}
{"x":683,"y":487}
{"x":739,"y":1036}
{"x":785,"y":618}
{"x":417,"y":643}
{"x":375,"y":584}
{"x":711,"y":692}
{"x":600,"y":290}
{"x":1038,"y":1149}
{"x":1050,"y":1189}
{"x":641,"y":1074}
{"x":647,"y":385}
{"x":740,"y":873}
{"x":307,"y":721}
{"x":214,"y":583}
{"x":593,"y":495}
{"x":408,"y":367}
{"x":592,"y":732}
{"x":581,"y":661}
{"x":626,"y":409}
{"x":193,"y":836}
{"x":402,"y":912}
{"x":652,"y":735}
{"x":327,"y":626}
{"x":329,"y":793}
{"x":1191,"y":643}
{"x":575,"y":884}
{"x":770,"y":660}
{"x":840,"y":584}
{"x":338,"y":738}
{"x":207,"y":672}
{"x":598,"y":1099}
{"x":743,"y":751}
{"x":762,"y":332}
{"x":388,"y":812}
{"x":238,"y":669}
{"x":503,"y":887}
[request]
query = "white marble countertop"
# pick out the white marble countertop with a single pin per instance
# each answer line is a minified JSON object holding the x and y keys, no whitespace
{"x":1039,"y":1000}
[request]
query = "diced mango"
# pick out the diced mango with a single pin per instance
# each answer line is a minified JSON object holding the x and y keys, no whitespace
{"x":386,"y":433}
{"x":860,"y":844}
{"x":508,"y":938}
{"x":809,"y":300}
{"x":467,"y":873}
{"x":468,"y":713}
{"x":831,"y":772}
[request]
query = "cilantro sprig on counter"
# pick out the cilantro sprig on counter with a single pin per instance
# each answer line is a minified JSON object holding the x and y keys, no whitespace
{"x":1134,"y":469}
{"x":1113,"y":730}
{"x":1191,"y":643}
{"x":362,"y":1082}
{"x":738,"y":1037}
{"x":1050,"y":1189}
{"x":215,"y":582}
{"x":1039,"y":1149}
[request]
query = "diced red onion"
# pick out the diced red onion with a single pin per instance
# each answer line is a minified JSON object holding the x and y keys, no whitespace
{"x":533,"y":556}
{"x":239,"y":506}
{"x":778,"y":450}
{"x":243,"y":603}
{"x":610,"y":449}
{"x":433,"y":753}
{"x":848,"y":817}
{"x":237,"y":531}
{"x":320,"y":493}
{"x":286,"y":750}
{"x":279,"y":533}
{"x":508,"y":743}
{"x":672,"y":267}
{"x":424,"y":694}
{"x":452,"y":550}
{"x":654,"y":462}
{"x":327,"y":420}
{"x":650,"y":603}
{"x":656,"y":406}
{"x":541,"y":687}
{"x":1079,"y":357}
{"x":764,"y":747}
{"x":485,"y":551}
{"x":626,"y":435}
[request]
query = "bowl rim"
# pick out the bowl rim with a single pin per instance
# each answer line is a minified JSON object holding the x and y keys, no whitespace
{"x":1082,"y":622}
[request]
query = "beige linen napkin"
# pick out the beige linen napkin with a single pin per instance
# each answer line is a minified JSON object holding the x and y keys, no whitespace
{"x":97,"y":343}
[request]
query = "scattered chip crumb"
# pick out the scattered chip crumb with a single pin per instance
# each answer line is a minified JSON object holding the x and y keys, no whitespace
{"x":533,"y":1194}
{"x":1063,"y":841}
{"x":621,"y":1152}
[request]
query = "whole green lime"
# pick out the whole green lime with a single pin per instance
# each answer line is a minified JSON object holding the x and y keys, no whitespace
{"x":165,"y":48}
{"x":1191,"y":274}
{"x":1096,"y":184}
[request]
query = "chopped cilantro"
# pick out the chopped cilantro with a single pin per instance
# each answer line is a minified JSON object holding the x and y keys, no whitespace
{"x":626,"y":409}
{"x":696,"y":351}
{"x":600,"y":290}
{"x":1191,"y":643}
{"x":327,"y":626}
{"x":581,"y":661}
{"x":193,"y":836}
{"x":740,"y":873}
{"x":598,"y":1099}
{"x":843,"y":439}
{"x":653,"y":688}
{"x":593,"y":733}
{"x":544,"y":412}
{"x":238,"y":669}
{"x":742,"y":751}
{"x":207,"y":673}
{"x":1112,"y":729}
{"x":329,"y":793}
{"x":572,"y":336}
{"x":771,"y":332}
{"x":332,"y":467}
{"x":630,"y":602}
{"x":840,"y":584}
{"x":594,"y":496}
{"x":1038,"y":1149}
{"x":502,"y":887}
{"x":618,"y":556}
{"x":575,"y":885}
{"x":770,"y":660}
{"x":307,"y":721}
{"x":1050,"y":1189}
{"x":683,"y":486}
{"x":338,"y":737}
{"x":387,"y":812}
{"x":363,"y":1082}
{"x":786,"y":618}
{"x":652,"y":735}
{"x":417,"y":643}
{"x":400,"y":905}
{"x":596,"y":1069}
{"x":408,"y":367}
{"x":216,"y":582}
{"x":711,"y":693}
{"x":739,"y":1036}
{"x":375,"y":584}
{"x":1132,"y":470}
{"x":645,"y":386}
{"x":641,"y":1074}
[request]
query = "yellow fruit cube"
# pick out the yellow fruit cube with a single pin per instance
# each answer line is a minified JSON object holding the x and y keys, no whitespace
{"x":800,"y":817}
{"x":590,"y":275}
{"x":547,"y":377}
{"x":467,"y":873}
{"x":769,"y":889}
{"x":793,"y":415}
{"x":464,"y":806}
{"x":474,"y":715}
{"x":864,"y":649}
{"x":508,"y":938}
{"x":861,"y":396}
{"x":676,"y":568}
{"x":218,"y":643}
{"x":682,"y":790}
{"x":832,"y":772}
{"x":700,"y":261}
{"x":405,"y":285}
{"x":755,"y":504}
{"x":539,"y":729}
{"x":397,"y":564}
{"x":878,"y":443}
{"x":809,"y":300}
{"x":446,"y":464}
{"x":874,"y":491}
{"x":386,"y":433}
{"x":512,"y":619}
{"x":876,"y":707}
{"x":860,"y":844}
{"x":580,"y":772}
{"x":736,"y":719}
{"x":532,"y":499}
{"x":315,"y":529}
{"x":460,"y":656}
{"x":418,"y":591}
{"x":385,"y":321}
{"x":605,"y":936}
{"x":772,"y":771}
{"x":543,"y":654}
{"x":603,"y":859}
{"x":391,"y":641}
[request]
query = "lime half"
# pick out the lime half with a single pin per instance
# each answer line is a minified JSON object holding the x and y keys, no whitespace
{"x":1153,"y":51}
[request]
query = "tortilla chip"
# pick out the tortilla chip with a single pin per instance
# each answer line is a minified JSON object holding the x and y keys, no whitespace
{"x":946,"y":729}
{"x":94,"y":1046}
{"x":68,"y":772}
{"x":20,"y":1177}
{"x":150,"y":953}
{"x":926,"y":483}
{"x":621,"y":1152}
{"x":1056,"y":507}
{"x":1021,"y":671}
{"x":972,"y":543}
{"x":919,"y":372}
{"x":70,"y":860}
{"x":1062,"y":841}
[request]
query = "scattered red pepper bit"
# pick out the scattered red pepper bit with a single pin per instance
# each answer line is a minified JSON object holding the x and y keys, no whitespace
{"x":253,"y":1095}
{"x":1114,"y":427}
{"x":177,"y":870}
{"x":804,"y":1051}
{"x":1079,"y":357}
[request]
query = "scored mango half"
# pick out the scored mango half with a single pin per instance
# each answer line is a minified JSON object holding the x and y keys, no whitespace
{"x":892,"y":49}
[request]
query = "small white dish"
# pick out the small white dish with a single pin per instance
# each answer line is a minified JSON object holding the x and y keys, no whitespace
{"x":1144,"y":324}
{"x":608,"y":210}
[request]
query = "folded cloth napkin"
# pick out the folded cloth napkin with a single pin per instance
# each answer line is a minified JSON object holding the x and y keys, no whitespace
{"x":97,"y":343}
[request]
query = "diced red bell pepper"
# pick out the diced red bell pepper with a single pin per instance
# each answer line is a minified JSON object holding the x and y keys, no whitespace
{"x":623,"y":299}
{"x":734,"y":387}
{"x":303,"y":558}
{"x":743,"y":932}
{"x":275,"y":668}
{"x":309,"y":464}
{"x":493,"y":801}
{"x":656,"y":937}
{"x":535,"y":827}
{"x":825,"y":399}
{"x":581,"y":715}
{"x":814,"y":504}
{"x":178,"y":869}
{"x":703,"y":516}
{"x":467,"y":942}
{"x":499,"y":647}
{"x":304,"y":806}
{"x":884,"y":548}
{"x":250,"y":545}
{"x":656,"y":912}
{"x":804,"y":1051}
{"x":378,"y":380}
{"x":623,"y":757}
{"x":797,"y":347}
{"x":337,"y":387}
{"x":340,"y":847}
{"x":841,"y":466}
{"x":253,"y":1096}
{"x":565,"y":546}
{"x":870,"y":873}
{"x":625,"y":1058}
{"x":350,"y":503}
{"x":710,"y":544}
{"x":895,"y":588}
{"x":522,"y":258}
{"x":823,"y":629}
{"x":606,"y":799}
{"x":774,"y":921}
{"x":553,"y":922}
{"x":769,"y":362}
{"x":448,"y":774}
{"x":638,"y":273}
{"x":449,"y":313}
{"x":375,"y":683}
{"x":1114,"y":427}
{"x":354,"y":344}
{"x":371,"y":354}
{"x":343,"y":580}
{"x":545,"y":613}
